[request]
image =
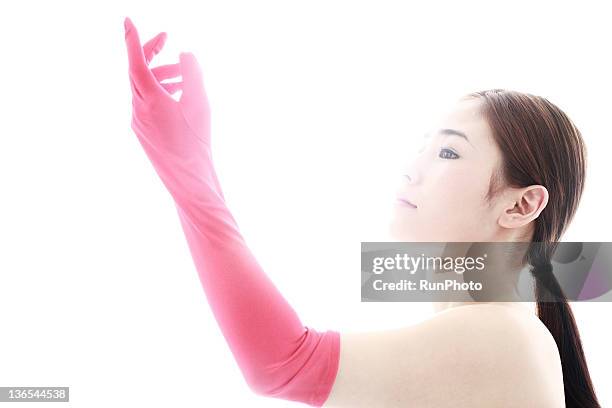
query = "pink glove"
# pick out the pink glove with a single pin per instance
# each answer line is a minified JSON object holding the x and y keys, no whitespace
{"x":278,"y":356}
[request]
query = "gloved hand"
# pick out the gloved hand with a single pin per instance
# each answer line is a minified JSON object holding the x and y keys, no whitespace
{"x":175,"y":134}
{"x":278,"y":356}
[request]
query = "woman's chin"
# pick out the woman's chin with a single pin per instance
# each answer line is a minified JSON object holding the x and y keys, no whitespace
{"x":402,"y":234}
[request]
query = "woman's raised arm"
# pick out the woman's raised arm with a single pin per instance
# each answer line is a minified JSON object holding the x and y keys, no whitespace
{"x":278,"y":355}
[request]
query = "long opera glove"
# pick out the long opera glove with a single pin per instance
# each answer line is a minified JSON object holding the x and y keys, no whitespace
{"x":278,"y":356}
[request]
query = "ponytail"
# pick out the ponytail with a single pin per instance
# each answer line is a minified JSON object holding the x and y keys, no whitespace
{"x":555,"y":312}
{"x":541,"y":146}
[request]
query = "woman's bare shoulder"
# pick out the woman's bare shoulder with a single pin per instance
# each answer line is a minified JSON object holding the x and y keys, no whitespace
{"x":477,"y":355}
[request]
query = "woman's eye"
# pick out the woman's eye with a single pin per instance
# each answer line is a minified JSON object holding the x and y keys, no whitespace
{"x":448,"y":154}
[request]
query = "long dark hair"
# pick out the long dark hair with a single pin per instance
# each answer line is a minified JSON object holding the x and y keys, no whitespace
{"x":540,"y":145}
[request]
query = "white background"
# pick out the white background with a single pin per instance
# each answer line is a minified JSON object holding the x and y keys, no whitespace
{"x":315,"y":105}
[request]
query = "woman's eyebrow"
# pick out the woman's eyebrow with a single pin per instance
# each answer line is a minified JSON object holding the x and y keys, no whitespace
{"x":451,"y":132}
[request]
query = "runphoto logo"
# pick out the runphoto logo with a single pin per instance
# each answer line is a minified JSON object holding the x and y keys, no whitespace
{"x":411,"y":264}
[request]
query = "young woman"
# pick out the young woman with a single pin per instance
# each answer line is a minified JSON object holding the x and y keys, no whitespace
{"x":500,"y":166}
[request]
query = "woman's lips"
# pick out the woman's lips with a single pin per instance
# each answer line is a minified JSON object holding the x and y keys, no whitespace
{"x":405,"y":203}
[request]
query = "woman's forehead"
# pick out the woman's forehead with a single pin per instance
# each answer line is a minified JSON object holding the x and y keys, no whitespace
{"x":466,"y":116}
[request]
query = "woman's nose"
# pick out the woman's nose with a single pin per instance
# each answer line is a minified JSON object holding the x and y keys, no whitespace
{"x":410,"y":174}
{"x":413,"y":167}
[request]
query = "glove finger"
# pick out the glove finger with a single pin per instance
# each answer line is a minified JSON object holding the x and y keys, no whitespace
{"x":154,"y":46}
{"x":139,"y":71}
{"x":135,"y":92}
{"x":172,"y":87}
{"x":166,"y":71}
{"x":193,"y":89}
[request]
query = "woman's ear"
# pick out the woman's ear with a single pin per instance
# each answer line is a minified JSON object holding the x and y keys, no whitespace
{"x":525,"y":205}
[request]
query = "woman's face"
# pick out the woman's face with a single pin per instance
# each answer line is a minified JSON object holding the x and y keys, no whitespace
{"x":448,"y":181}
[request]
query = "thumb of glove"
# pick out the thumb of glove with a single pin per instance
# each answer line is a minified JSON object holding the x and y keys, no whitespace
{"x":193,"y":83}
{"x":194,"y":101}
